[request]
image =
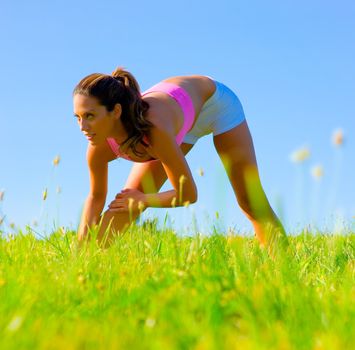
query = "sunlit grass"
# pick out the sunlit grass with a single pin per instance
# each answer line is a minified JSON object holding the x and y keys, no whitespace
{"x":155,"y":290}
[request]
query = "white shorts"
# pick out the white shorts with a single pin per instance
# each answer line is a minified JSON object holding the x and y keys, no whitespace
{"x":220,"y":113}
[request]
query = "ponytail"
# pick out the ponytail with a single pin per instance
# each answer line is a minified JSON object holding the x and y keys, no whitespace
{"x":126,"y":78}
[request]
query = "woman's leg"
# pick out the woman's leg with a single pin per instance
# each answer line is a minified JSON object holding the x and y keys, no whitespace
{"x":146,"y":177}
{"x":236,"y":150}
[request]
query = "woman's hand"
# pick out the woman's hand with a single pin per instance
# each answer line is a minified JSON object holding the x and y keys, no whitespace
{"x":128,"y":200}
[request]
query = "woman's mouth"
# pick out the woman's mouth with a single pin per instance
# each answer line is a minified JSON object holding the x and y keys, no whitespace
{"x":90,"y":136}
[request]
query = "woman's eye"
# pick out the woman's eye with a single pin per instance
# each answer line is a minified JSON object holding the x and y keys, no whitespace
{"x":88,"y":116}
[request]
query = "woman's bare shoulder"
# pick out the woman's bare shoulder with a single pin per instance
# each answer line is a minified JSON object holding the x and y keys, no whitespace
{"x":99,"y":154}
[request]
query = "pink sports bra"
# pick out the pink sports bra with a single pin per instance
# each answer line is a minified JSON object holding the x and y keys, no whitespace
{"x":186,"y":104}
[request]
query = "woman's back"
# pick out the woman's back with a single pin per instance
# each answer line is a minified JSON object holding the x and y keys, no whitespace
{"x":166,"y":112}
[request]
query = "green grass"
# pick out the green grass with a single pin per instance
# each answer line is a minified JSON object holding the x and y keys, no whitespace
{"x":155,"y":290}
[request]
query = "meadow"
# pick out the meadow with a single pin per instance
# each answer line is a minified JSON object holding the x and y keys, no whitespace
{"x":157,"y":289}
{"x":153,"y":289}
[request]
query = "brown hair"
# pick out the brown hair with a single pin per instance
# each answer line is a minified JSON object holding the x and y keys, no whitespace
{"x":120,"y":87}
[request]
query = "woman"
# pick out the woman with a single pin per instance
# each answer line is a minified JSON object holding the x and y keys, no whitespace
{"x":156,"y":130}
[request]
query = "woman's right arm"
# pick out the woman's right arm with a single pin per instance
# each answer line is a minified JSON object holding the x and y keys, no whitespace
{"x":90,"y":215}
{"x":95,"y":201}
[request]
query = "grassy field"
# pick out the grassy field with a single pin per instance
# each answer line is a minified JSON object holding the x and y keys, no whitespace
{"x":155,"y":290}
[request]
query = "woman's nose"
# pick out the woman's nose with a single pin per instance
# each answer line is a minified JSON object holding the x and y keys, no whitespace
{"x":84,"y":126}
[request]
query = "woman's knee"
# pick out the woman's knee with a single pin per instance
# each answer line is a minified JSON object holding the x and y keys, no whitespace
{"x":122,"y":216}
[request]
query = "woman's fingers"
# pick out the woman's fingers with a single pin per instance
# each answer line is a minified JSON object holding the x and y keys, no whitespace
{"x":121,"y":201}
{"x":117,"y":207}
{"x":118,"y":210}
{"x":122,"y":193}
{"x":116,"y":204}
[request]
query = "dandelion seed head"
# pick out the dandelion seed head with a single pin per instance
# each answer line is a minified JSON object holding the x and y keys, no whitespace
{"x":338,"y":137}
{"x":317,"y":171}
{"x":56,"y":160}
{"x":201,"y":172}
{"x":2,"y":193}
{"x":59,"y":190}
{"x":300,"y":155}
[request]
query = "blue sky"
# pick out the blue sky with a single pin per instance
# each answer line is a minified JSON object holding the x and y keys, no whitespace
{"x":291,"y":64}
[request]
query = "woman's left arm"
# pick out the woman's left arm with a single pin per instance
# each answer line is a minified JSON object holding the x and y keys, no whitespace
{"x":165,"y":148}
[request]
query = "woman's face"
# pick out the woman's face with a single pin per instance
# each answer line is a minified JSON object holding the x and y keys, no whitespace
{"x":94,"y":120}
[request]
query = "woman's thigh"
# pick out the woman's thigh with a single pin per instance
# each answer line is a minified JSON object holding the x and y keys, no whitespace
{"x":150,"y":176}
{"x":236,"y":150}
{"x":236,"y":144}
